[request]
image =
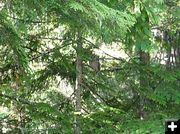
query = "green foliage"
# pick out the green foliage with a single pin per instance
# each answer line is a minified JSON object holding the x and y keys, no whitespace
{"x":38,"y":45}
{"x":10,"y":37}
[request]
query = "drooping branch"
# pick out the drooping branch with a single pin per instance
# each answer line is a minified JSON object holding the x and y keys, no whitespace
{"x":15,"y":98}
{"x":31,"y":21}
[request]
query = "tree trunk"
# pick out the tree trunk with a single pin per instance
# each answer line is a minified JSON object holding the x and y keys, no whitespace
{"x":77,"y":129}
{"x":144,"y":60}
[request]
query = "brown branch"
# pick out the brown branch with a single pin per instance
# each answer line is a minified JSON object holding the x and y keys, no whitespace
{"x":95,"y":46}
{"x":31,"y":21}
{"x":94,"y":93}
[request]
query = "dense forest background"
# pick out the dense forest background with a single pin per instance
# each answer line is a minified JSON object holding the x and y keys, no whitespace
{"x":57,"y":78}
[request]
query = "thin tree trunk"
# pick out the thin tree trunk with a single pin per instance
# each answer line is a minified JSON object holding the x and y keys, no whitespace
{"x":178,"y":57}
{"x":77,"y":129}
{"x":144,"y":60}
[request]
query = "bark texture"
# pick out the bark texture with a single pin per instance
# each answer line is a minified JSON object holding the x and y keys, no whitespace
{"x":77,"y":129}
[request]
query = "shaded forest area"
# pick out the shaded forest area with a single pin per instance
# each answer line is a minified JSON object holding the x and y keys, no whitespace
{"x":57,"y":78}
